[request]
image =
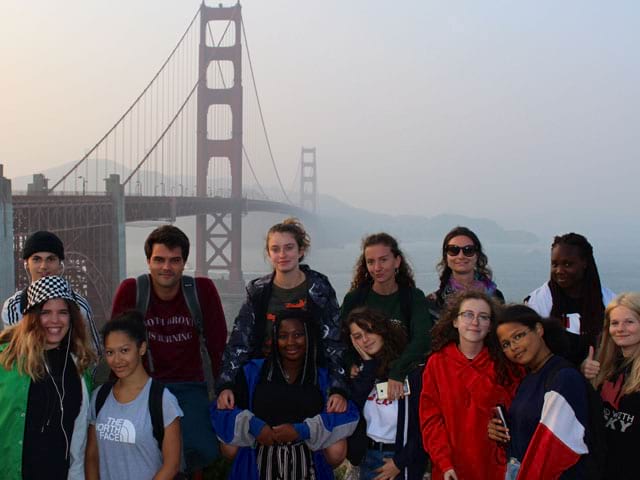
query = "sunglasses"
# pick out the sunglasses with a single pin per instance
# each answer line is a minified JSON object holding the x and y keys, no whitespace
{"x":467,"y":250}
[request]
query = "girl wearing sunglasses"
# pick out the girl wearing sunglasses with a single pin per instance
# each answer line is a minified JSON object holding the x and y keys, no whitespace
{"x":461,"y":387}
{"x":575,"y":295}
{"x":464,"y":266}
{"x":547,"y":420}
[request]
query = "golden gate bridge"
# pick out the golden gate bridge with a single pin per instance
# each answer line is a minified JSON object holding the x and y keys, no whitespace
{"x":180,"y":149}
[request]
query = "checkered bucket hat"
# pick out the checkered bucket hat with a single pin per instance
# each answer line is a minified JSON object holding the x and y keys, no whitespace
{"x":48,"y":288}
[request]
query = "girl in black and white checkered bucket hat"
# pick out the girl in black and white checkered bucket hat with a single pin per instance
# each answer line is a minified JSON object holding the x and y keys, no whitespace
{"x":48,"y":288}
{"x":44,"y":383}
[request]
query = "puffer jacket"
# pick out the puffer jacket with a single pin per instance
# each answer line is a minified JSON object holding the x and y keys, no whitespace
{"x":248,"y":334}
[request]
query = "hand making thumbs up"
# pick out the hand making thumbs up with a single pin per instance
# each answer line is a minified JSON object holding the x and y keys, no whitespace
{"x":590,"y":367}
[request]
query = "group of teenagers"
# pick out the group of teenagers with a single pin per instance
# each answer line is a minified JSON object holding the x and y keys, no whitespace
{"x":398,"y":382}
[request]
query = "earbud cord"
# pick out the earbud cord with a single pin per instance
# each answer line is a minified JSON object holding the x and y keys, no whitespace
{"x":62,"y":395}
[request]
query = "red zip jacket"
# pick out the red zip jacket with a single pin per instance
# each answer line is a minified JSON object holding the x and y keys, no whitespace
{"x":456,"y":403}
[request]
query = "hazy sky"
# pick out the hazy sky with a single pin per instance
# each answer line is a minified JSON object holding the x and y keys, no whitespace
{"x":523,"y":112}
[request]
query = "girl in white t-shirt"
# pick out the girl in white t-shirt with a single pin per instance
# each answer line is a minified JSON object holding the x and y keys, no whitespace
{"x":121,"y":442}
{"x":391,"y":447}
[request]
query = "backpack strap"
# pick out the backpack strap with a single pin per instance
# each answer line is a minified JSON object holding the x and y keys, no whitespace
{"x":143,"y":293}
{"x":102,"y":395}
{"x":155,"y":411}
{"x":190,"y":293}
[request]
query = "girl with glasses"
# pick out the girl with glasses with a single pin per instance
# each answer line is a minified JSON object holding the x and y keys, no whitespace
{"x":464,"y":266}
{"x":575,"y":295}
{"x":462,"y":385}
{"x":619,"y":384}
{"x":547,"y":420}
{"x":383,"y":281}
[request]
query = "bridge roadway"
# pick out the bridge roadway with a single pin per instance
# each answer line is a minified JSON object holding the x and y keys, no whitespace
{"x":138,"y":208}
{"x":31,"y":212}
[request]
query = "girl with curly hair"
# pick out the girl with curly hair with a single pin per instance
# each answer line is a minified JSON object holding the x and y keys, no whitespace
{"x":383,"y":280}
{"x":390,"y":442}
{"x":462,"y":386}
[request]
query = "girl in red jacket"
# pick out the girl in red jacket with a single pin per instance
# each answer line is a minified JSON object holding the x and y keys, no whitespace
{"x":461,"y":388}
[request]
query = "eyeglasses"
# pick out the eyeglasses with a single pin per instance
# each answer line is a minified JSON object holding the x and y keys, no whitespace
{"x":468,"y":316}
{"x":515,"y":340}
{"x":467,"y":250}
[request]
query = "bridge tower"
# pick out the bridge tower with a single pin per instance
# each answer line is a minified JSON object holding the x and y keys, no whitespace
{"x":7,"y":279}
{"x":223,"y":232}
{"x":308,"y":179}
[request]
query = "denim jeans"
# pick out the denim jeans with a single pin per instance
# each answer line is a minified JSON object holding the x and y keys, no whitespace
{"x":373,"y":460}
{"x":513,"y":467}
{"x":199,"y":442}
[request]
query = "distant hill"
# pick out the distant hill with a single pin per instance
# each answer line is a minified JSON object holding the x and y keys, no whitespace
{"x":339,"y":223}
{"x":349,"y":223}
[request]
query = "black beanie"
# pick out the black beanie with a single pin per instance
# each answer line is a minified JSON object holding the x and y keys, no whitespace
{"x":43,"y":241}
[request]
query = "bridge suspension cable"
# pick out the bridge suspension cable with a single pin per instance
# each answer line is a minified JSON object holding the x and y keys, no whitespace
{"x":264,"y":127}
{"x":152,"y":149}
{"x":124,"y":115}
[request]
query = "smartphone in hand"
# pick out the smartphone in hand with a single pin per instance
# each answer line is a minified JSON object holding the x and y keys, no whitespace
{"x":382,"y":387}
{"x":501,"y":413}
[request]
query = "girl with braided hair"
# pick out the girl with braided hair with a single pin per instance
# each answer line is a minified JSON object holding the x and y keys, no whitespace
{"x":574,"y":294}
{"x":280,"y":426}
{"x":291,"y":285}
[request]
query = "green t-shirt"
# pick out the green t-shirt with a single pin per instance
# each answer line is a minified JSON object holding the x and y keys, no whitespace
{"x":418,"y":327}
{"x":282,"y":299}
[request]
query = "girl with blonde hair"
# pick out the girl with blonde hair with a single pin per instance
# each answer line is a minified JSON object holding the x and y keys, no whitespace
{"x":44,"y":386}
{"x":618,"y":382}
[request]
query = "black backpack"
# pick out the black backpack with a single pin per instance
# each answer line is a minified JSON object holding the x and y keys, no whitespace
{"x":595,"y":430}
{"x":155,"y":406}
